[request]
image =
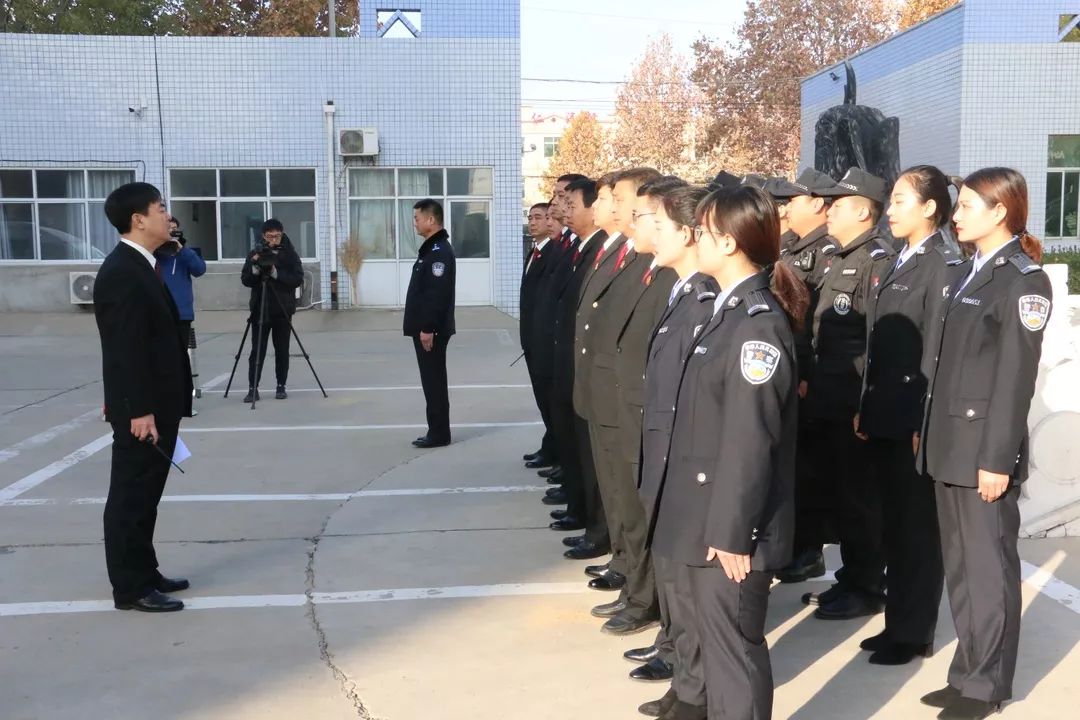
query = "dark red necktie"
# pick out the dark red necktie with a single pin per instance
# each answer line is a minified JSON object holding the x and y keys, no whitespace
{"x":157,"y":270}
{"x":621,"y":256}
{"x":536,"y":253}
{"x":646,"y":279}
{"x":599,"y":255}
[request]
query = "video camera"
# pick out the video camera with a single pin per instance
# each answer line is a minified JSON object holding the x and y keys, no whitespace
{"x":267,"y":256}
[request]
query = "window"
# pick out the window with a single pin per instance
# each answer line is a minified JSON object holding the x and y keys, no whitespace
{"x":1069,"y":28}
{"x":57,"y":214}
{"x":404,"y":24}
{"x":551,"y":146}
{"x":1063,"y":187}
{"x":381,"y":209}
{"x":222,"y":211}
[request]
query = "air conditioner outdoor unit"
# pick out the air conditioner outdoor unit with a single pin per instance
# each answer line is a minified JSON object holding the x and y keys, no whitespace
{"x":358,"y":142}
{"x":81,"y":287}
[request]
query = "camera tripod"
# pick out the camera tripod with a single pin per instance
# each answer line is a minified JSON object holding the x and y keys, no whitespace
{"x":258,"y":340}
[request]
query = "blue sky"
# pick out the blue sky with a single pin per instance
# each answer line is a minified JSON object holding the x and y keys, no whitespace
{"x":600,"y":40}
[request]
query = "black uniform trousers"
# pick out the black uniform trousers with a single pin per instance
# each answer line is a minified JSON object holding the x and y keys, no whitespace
{"x":815,"y":500}
{"x":912,"y":543}
{"x":678,"y":640}
{"x":627,"y":525}
{"x":136,"y":482}
{"x":982,"y":571}
{"x":278,"y":326}
{"x":432,"y":366}
{"x":735,"y":654}
{"x":596,"y":527}
{"x":566,"y":448}
{"x":541,"y":387}
{"x":857,"y":516}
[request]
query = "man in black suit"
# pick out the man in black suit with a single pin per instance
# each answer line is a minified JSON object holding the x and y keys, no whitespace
{"x":429,"y":317}
{"x":543,"y":253}
{"x":147,"y":379}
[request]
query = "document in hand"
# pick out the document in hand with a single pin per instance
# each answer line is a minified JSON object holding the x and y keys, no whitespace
{"x":181,"y":452}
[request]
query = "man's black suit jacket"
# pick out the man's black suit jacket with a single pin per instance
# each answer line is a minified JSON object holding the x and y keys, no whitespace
{"x":531,"y":283}
{"x":144,"y":359}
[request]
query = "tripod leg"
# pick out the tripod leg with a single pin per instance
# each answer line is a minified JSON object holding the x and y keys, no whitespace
{"x":259,"y":341}
{"x":303,"y":351}
{"x":239,"y":352}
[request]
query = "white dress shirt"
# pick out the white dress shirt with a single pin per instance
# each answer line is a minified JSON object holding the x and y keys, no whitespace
{"x":142,"y":251}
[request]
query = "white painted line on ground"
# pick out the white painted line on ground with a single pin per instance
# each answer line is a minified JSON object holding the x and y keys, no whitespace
{"x":214,"y":382}
{"x":46,"y":435}
{"x":321,"y":598}
{"x":32,"y":480}
{"x":1043,"y":581}
{"x":375,"y":388}
{"x":294,"y":428}
{"x":286,"y":497}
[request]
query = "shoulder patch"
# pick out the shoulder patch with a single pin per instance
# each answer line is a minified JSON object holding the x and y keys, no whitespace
{"x":758,"y":361}
{"x":950,"y":256}
{"x":438,"y":269}
{"x":756,"y":303}
{"x":706,"y":295}
{"x":436,"y":246}
{"x":1034,"y":311}
{"x":1024,"y":264}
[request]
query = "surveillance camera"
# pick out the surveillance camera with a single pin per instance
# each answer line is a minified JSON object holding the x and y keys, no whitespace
{"x":131,"y":109}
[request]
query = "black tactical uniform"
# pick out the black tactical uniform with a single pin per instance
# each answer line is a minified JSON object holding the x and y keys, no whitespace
{"x":905,"y":307}
{"x":429,"y":308}
{"x":687,"y":313}
{"x":986,"y":350}
{"x":849,"y":276}
{"x":730,"y":486}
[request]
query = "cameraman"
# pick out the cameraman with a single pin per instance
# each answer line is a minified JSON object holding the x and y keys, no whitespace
{"x":178,"y":264}
{"x":275,"y":262}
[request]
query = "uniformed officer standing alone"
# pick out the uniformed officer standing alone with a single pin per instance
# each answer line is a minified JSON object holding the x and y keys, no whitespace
{"x":975,"y":436}
{"x":429,"y":317}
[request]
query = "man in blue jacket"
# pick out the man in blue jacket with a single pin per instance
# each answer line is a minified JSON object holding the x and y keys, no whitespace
{"x":177,"y":265}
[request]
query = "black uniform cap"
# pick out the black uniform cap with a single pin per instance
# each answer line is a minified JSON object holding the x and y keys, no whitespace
{"x":860,"y":183}
{"x":724,"y":179}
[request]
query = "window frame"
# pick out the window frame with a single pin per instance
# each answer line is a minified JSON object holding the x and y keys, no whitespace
{"x":554,"y":148}
{"x":86,"y":200}
{"x":1060,"y":172}
{"x":267,"y":200}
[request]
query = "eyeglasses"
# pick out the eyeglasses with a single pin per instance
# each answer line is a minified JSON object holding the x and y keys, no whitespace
{"x":700,"y":232}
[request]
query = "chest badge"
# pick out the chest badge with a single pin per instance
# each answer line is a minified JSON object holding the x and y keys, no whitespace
{"x":945,"y":291}
{"x":1034,"y":312}
{"x":758,"y":361}
{"x":842,"y":304}
{"x":438,"y":269}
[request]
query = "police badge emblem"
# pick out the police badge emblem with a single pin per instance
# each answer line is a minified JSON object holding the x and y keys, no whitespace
{"x":842,"y":304}
{"x":759,"y":361}
{"x":437,"y":269}
{"x":1034,"y":312}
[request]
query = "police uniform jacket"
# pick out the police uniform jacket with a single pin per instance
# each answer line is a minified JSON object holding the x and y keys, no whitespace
{"x":531,"y":284}
{"x":731,"y":470}
{"x":612,"y":310}
{"x":145,"y":367}
{"x":803,"y":256}
{"x":669,"y":345}
{"x":568,"y":291}
{"x":903,"y":309}
{"x":429,"y":302}
{"x":598,"y":277}
{"x":987,"y":345}
{"x":849,"y":276}
{"x":631,"y":354}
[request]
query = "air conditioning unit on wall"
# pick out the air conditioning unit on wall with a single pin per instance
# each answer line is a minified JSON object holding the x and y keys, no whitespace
{"x":81,"y":287}
{"x":359,"y":142}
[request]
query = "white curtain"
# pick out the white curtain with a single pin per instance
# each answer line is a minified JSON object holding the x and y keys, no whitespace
{"x":372,"y":222}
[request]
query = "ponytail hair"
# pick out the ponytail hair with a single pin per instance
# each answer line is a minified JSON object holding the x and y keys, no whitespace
{"x":1007,"y":187}
{"x":749,"y":215}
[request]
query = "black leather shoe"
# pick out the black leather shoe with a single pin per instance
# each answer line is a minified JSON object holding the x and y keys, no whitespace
{"x":901,"y":653}
{"x":586,"y":550}
{"x":549,"y":472}
{"x":642,"y":655}
{"x":556,"y":479}
{"x":822,"y":598}
{"x":685,"y":711}
{"x":154,"y":602}
{"x":573,"y":540}
{"x":567,"y":524}
{"x":252,"y":396}
{"x":281,"y":394}
{"x":559,"y":514}
{"x":880,"y":641}
{"x":532,"y":456}
{"x":540,"y":462}
{"x":611,"y":580}
{"x":656,"y":670}
{"x":848,"y":606}
{"x":609,"y":610}
{"x":426,"y":442}
{"x":810,"y":564}
{"x":552,"y":490}
{"x":171,"y":585}
{"x":556,"y":498}
{"x":656,"y":708}
{"x":969,"y":709}
{"x":941,"y":698}
{"x":626,"y":624}
{"x":598,"y":571}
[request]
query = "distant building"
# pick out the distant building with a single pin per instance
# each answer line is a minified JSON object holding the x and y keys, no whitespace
{"x":540,"y":132}
{"x":987,"y":82}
